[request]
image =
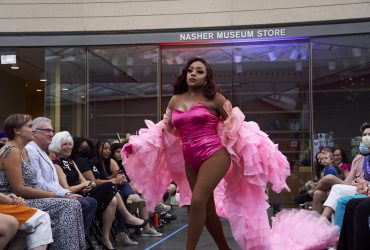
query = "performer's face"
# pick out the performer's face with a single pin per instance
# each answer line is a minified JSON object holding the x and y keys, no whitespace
{"x":197,"y":74}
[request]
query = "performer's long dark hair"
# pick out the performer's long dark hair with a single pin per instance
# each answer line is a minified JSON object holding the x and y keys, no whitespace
{"x":180,"y":85}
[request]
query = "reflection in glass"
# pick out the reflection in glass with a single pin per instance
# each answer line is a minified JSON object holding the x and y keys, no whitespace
{"x":269,"y":83}
{"x":65,"y":89}
{"x":123,"y":89}
{"x":341,"y":88}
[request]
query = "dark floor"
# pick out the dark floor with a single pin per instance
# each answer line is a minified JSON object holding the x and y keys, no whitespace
{"x":174,"y":236}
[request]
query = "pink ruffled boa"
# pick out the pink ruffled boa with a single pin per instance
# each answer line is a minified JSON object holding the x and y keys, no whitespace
{"x":154,"y":158}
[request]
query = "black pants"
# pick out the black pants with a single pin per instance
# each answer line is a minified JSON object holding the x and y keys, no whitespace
{"x":355,"y":234}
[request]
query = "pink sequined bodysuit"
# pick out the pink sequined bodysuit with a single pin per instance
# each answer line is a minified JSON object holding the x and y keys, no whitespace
{"x":198,"y":131}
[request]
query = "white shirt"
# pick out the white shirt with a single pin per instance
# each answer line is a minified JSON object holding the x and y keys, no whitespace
{"x":47,"y":177}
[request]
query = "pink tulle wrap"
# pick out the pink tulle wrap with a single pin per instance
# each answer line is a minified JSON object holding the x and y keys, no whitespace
{"x":154,"y":158}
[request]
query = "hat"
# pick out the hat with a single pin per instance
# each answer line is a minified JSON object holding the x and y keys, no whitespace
{"x":3,"y":134}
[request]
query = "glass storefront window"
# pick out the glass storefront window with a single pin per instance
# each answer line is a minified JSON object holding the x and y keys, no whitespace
{"x":101,"y":91}
{"x":341,"y":89}
{"x":65,"y":89}
{"x":269,"y":83}
{"x":23,"y":91}
{"x":123,"y":90}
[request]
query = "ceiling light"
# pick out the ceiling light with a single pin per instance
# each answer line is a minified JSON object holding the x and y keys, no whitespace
{"x":15,"y":66}
{"x":272,"y":56}
{"x":8,"y":58}
{"x":65,"y":89}
{"x":356,"y":52}
{"x":43,"y":77}
{"x":38,"y":90}
{"x":237,"y":58}
{"x":294,"y":55}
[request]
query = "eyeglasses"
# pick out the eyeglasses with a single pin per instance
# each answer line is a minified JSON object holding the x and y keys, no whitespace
{"x":47,"y":130}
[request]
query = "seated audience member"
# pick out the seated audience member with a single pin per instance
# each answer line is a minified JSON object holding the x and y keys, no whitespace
{"x":109,"y":170}
{"x":327,"y":160}
{"x":318,"y":166}
{"x":32,"y":222}
{"x":355,"y":228}
{"x":82,"y":153}
{"x":47,"y":178}
{"x":362,"y":188}
{"x":341,"y":161}
{"x":3,"y":138}
{"x":106,"y":193}
{"x":320,"y":192}
{"x":8,"y":228}
{"x":127,"y":189}
{"x":16,"y":176}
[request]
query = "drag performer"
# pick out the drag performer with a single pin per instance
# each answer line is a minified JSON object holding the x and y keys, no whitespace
{"x":228,"y":163}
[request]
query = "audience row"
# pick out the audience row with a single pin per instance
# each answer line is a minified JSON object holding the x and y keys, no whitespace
{"x":58,"y":176}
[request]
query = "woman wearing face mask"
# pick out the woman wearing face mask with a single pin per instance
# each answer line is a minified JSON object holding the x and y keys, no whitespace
{"x":361,"y":183}
{"x":334,"y":201}
{"x":70,"y":177}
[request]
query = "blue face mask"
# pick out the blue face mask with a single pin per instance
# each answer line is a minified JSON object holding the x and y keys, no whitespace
{"x":363,"y":149}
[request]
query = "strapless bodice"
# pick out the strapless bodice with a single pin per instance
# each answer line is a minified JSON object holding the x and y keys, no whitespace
{"x":196,"y":122}
{"x":197,"y":128}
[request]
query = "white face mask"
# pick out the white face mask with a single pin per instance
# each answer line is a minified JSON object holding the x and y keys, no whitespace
{"x":366,"y":140}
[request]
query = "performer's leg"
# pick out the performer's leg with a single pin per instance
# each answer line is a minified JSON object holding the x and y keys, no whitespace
{"x":213,"y":223}
{"x":209,"y":175}
{"x":214,"y":226}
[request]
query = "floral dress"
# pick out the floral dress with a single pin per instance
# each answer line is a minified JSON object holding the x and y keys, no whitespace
{"x":65,"y":214}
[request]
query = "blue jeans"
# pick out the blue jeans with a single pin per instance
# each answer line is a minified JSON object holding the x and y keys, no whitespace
{"x":88,"y":205}
{"x":341,"y":208}
{"x":125,"y":190}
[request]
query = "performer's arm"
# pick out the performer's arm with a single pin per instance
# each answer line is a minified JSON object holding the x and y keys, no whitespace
{"x":167,"y":117}
{"x":223,"y":105}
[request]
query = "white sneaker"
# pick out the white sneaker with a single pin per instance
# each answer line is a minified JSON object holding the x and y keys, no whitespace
{"x":152,"y":232}
{"x":135,"y":198}
{"x":160,"y":207}
{"x":122,"y":239}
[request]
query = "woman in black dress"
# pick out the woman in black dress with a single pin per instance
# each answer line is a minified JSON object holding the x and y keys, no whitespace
{"x":105,"y":193}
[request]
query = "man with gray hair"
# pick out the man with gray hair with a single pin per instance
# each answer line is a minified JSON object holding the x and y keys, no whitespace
{"x":47,"y":178}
